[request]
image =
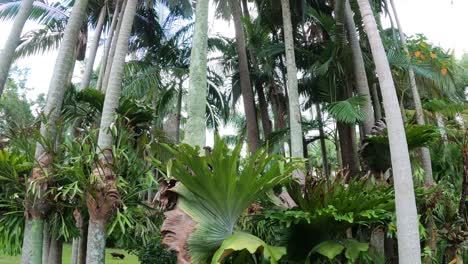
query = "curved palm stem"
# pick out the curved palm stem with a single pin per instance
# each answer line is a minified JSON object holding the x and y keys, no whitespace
{"x":409,"y":250}
{"x":93,"y":49}
{"x":6,"y":57}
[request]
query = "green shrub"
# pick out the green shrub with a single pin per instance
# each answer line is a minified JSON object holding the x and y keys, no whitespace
{"x":154,"y":253}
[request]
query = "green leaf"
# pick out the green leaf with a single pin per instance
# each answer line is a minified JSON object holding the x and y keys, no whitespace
{"x":218,"y":186}
{"x":354,"y":248}
{"x":329,"y":249}
{"x":348,"y":111}
{"x":240,"y":241}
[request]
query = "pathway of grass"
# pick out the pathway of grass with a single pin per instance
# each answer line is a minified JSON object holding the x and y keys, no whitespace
{"x":129,"y":259}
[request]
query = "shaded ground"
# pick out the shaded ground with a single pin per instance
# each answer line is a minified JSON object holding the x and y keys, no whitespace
{"x":129,"y":259}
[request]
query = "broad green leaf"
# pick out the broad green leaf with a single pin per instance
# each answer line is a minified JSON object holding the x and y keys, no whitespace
{"x":240,"y":241}
{"x":329,"y":249}
{"x":354,"y":248}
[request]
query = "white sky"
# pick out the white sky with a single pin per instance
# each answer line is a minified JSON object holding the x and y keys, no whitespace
{"x":444,"y":22}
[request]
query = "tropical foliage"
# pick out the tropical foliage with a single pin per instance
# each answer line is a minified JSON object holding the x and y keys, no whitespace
{"x":318,"y":129}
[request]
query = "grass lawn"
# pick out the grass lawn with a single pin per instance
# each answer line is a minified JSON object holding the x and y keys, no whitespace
{"x":129,"y":259}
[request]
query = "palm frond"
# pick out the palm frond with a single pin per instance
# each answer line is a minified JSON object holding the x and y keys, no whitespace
{"x":39,"y":41}
{"x":348,"y":111}
{"x":41,"y":12}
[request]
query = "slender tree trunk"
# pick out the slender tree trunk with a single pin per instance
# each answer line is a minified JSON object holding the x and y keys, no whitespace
{"x":115,"y":78}
{"x":45,"y":243}
{"x":107,"y":45}
{"x":348,"y":142}
{"x":409,"y":249}
{"x":96,"y":251}
{"x":63,"y":65}
{"x":376,"y":102}
{"x":102,"y":205}
{"x":170,"y":127}
{"x":32,"y":242}
{"x":196,"y":98}
{"x":464,"y":190}
{"x":295,"y":126}
{"x":25,"y":258}
{"x":245,"y":8}
{"x":424,"y":153}
{"x":113,"y":47}
{"x":262,"y":102}
{"x":348,"y":148}
{"x":179,"y":112}
{"x":55,"y":251}
{"x":246,"y":87}
{"x":323,"y":146}
{"x":83,"y":243}
{"x":359,"y":70}
{"x":75,"y":248}
{"x":8,"y":52}
{"x":263,"y":105}
{"x":93,"y":47}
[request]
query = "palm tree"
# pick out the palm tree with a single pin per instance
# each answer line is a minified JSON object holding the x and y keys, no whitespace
{"x":111,"y":52}
{"x":409,"y":250}
{"x":297,"y":149}
{"x":245,"y":84}
{"x":362,"y":84}
{"x":36,"y":206}
{"x":104,"y":197}
{"x":93,"y":47}
{"x":107,"y":45}
{"x":7,"y":54}
{"x":423,"y":152}
{"x":196,"y":98}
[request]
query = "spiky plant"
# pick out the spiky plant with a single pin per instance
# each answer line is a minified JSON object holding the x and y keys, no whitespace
{"x":218,"y":186}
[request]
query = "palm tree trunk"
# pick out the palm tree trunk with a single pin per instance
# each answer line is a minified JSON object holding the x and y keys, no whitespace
{"x":32,"y":242}
{"x":101,"y":206}
{"x":376,"y":102}
{"x":263,"y":105}
{"x":45,"y":243}
{"x":63,"y":65}
{"x":93,"y":47}
{"x":464,"y":190}
{"x":196,"y":98}
{"x":262,"y":102}
{"x":113,"y":47}
{"x":179,"y":112}
{"x":75,"y":248}
{"x":8,"y":52}
{"x":424,"y":153}
{"x":107,"y":45}
{"x":82,"y":247}
{"x":323,"y":146}
{"x":115,"y":78}
{"x":25,"y":258}
{"x":348,"y":148}
{"x":359,"y":69}
{"x":246,"y":87}
{"x":55,"y":251}
{"x":294,"y":108}
{"x":96,"y":250}
{"x":409,"y":249}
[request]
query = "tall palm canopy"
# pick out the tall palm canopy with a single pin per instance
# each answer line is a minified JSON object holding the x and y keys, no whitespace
{"x":230,"y":131}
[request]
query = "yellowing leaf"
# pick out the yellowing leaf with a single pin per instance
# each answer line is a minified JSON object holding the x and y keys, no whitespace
{"x":240,"y":241}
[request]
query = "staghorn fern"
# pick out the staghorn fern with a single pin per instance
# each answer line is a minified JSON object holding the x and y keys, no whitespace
{"x":217,"y":187}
